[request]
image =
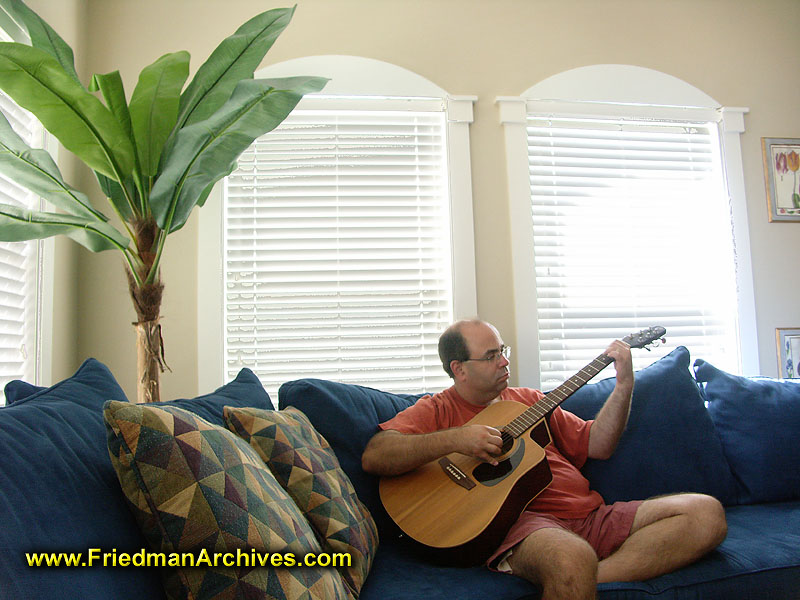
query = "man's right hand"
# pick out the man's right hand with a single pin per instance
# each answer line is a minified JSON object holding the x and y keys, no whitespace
{"x":481,"y":441}
{"x":394,"y":453}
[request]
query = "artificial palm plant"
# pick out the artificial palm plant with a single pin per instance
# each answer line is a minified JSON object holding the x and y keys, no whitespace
{"x":156,"y":156}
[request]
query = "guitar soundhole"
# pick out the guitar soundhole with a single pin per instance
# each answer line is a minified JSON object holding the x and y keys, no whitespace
{"x":486,"y":473}
{"x":490,"y":475}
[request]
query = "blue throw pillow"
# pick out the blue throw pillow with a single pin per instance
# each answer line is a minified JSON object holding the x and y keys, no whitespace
{"x":18,"y":389}
{"x":245,"y":391}
{"x":670,"y":444}
{"x":347,"y":416}
{"x":758,"y":421}
{"x":60,"y":493}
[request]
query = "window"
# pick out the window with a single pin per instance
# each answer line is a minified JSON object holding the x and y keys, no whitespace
{"x":22,"y":270}
{"x":629,"y":220}
{"x":337,"y":240}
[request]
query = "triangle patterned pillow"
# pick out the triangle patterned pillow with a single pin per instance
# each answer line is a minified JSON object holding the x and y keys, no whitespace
{"x":306,"y":466}
{"x":196,"y":488}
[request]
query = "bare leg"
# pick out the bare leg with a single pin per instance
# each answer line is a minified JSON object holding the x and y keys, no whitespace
{"x":668,"y":532}
{"x":563,"y":563}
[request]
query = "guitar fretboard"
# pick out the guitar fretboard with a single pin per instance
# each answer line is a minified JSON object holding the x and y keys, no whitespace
{"x":535,"y":413}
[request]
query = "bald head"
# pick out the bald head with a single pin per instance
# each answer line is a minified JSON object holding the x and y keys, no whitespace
{"x":453,"y":344}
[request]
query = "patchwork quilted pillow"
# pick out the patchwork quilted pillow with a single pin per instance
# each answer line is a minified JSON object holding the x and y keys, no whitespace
{"x":196,"y":488}
{"x":304,"y":464}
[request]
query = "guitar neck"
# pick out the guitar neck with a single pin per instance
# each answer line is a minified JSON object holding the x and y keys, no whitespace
{"x":552,"y":399}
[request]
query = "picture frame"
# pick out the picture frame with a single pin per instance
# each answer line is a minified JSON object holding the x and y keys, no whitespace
{"x":788,"y":339}
{"x":782,"y":177}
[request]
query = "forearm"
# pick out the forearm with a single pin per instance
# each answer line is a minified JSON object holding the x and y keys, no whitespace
{"x":392,"y":453}
{"x":610,"y":422}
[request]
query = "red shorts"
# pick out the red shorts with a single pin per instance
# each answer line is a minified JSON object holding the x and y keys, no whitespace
{"x":605,"y":529}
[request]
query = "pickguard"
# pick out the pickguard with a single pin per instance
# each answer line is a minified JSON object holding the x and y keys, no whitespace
{"x":490,"y":475}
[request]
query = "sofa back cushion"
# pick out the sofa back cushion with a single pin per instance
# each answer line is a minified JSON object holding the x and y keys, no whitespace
{"x":670,"y":444}
{"x":758,"y":421}
{"x":347,"y":416}
{"x":59,"y":491}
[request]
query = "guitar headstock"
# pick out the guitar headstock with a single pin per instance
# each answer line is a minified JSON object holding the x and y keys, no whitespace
{"x":645,"y":337}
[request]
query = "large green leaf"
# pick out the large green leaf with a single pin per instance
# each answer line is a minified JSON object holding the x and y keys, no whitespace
{"x":205,"y":152}
{"x":115,"y":194}
{"x":42,"y":35}
{"x":154,"y":107}
{"x":36,"y":81}
{"x":236,"y":58}
{"x":18,"y":225}
{"x":113,"y":90}
{"x":110,"y":85}
{"x":36,"y":171}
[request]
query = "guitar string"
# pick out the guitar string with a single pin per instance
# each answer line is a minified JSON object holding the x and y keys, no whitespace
{"x":535,"y":413}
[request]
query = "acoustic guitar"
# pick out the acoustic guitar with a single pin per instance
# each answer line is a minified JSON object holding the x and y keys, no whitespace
{"x":458,"y":509}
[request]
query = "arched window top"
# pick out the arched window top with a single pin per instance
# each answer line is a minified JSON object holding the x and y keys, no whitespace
{"x":378,"y":158}
{"x":619,"y":84}
{"x":357,"y":75}
{"x":553,"y":152}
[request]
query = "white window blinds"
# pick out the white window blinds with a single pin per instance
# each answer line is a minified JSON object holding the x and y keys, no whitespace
{"x":337,"y":250}
{"x":20,"y":279}
{"x":631,"y":228}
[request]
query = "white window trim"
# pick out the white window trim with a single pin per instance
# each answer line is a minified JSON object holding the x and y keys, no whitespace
{"x":615,"y":90}
{"x":47,"y":277}
{"x":350,"y":75}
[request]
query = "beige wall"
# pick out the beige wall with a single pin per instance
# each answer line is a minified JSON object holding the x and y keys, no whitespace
{"x":740,"y":52}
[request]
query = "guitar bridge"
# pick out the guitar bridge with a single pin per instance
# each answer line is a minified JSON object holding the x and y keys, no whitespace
{"x":456,"y":474}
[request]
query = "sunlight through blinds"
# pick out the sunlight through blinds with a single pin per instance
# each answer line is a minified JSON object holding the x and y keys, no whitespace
{"x":632,"y":228}
{"x":19,"y":268}
{"x":337,"y":251}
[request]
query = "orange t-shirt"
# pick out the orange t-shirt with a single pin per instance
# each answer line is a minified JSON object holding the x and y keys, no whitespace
{"x":569,"y":495}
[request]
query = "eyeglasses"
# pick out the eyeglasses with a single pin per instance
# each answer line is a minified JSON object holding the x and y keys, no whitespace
{"x":505,"y":352}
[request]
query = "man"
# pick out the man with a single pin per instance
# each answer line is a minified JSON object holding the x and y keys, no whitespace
{"x":567,"y":540}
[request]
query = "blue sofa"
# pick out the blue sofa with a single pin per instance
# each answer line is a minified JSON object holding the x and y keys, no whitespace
{"x":729,"y":436}
{"x":732,"y":437}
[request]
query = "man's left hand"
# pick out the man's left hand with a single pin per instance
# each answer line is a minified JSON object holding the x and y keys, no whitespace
{"x":623,"y":363}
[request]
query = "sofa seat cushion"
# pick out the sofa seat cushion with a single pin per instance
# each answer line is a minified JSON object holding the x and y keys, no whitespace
{"x":758,"y":420}
{"x":196,"y":487}
{"x":760,"y":558}
{"x":59,"y":492}
{"x":306,"y":467}
{"x":347,"y":416}
{"x":670,"y":444}
{"x":418,"y":579}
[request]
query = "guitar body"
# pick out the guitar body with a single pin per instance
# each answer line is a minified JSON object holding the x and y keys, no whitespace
{"x":460,"y":508}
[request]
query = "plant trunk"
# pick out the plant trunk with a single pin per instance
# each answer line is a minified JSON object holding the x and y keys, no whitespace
{"x":149,"y":343}
{"x":149,"y":347}
{"x":147,"y":302}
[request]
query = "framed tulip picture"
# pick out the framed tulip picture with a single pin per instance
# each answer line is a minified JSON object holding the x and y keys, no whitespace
{"x":782,"y":175}
{"x":788,"y":339}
